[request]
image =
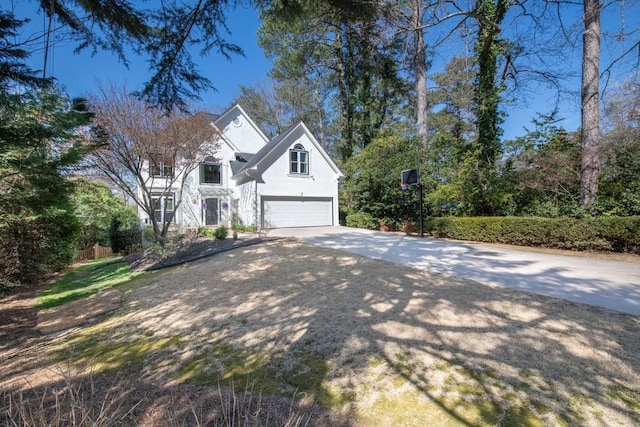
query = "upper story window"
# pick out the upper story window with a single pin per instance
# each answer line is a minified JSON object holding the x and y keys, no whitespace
{"x":299,"y":160}
{"x":210,"y":171}
{"x":160,"y":166}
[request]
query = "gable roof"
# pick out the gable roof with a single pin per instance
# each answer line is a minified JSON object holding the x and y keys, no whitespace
{"x":263,"y":157}
{"x":225,"y":118}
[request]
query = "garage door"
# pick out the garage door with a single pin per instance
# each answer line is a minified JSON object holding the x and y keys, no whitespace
{"x":282,"y":212}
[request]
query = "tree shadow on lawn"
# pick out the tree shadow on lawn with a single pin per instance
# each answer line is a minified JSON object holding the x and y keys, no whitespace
{"x":386,"y":343}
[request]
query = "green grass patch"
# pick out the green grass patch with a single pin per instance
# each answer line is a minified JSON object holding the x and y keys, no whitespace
{"x":85,"y":280}
{"x":224,"y":364}
{"x":96,"y":348}
{"x":628,"y":396}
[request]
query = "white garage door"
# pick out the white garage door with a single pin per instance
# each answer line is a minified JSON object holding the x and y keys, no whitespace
{"x":284,"y":212}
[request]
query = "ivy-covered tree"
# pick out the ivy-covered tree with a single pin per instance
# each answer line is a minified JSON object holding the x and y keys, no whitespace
{"x":478,"y":164}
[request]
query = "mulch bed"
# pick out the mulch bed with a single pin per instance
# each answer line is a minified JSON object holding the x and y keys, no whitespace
{"x":191,"y":251}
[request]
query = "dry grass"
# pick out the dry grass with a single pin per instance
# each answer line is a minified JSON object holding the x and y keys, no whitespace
{"x":99,"y":401}
{"x":377,"y":343}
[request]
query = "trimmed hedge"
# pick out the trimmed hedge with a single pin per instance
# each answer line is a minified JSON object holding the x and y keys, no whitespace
{"x":618,"y":234}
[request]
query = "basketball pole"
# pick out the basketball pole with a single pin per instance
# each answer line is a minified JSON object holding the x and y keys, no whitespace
{"x":421,"y":210}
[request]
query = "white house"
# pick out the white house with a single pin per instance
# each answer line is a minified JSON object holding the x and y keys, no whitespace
{"x":288,"y":181}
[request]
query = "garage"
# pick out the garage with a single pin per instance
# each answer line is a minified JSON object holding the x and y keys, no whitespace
{"x":284,"y":212}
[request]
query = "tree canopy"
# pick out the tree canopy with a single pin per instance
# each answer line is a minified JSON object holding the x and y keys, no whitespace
{"x":374,"y":60}
{"x":167,"y":32}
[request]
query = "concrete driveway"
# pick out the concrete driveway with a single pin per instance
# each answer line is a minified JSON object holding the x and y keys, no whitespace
{"x":611,"y":284}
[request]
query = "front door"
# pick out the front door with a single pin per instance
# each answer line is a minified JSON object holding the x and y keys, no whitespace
{"x":211,"y":212}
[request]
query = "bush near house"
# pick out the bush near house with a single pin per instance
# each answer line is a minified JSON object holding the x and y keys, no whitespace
{"x":237,"y":225}
{"x":618,"y":234}
{"x":221,"y":232}
{"x":361,"y":220}
{"x":124,"y":236}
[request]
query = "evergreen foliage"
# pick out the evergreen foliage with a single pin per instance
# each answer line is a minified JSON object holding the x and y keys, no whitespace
{"x":372,"y":185}
{"x":343,"y":50}
{"x":96,"y":206}
{"x":125,"y":235}
{"x":38,"y":145}
{"x":221,"y":232}
{"x":165,"y":31}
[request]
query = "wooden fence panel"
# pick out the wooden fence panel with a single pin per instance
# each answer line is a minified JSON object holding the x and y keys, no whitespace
{"x":95,"y":252}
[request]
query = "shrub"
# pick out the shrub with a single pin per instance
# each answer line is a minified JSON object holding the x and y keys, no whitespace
{"x":620,"y":234}
{"x":124,"y":238}
{"x":361,"y":220}
{"x":237,"y":225}
{"x":205,"y":232}
{"x":244,"y":228}
{"x":343,"y":213}
{"x":221,"y":232}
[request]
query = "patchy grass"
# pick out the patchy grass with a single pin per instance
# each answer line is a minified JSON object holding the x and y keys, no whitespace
{"x":95,"y":347}
{"x":455,"y":396}
{"x":85,"y":280}
{"x":628,"y":396}
{"x":219,"y":364}
{"x":223,"y":364}
{"x":400,"y":395}
{"x":228,"y":322}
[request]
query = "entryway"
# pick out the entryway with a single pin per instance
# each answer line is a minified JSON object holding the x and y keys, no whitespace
{"x":211,"y":211}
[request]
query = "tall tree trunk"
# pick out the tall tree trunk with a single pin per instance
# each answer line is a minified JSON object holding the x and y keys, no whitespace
{"x":420,"y":66}
{"x":590,"y":113}
{"x":345,"y":71}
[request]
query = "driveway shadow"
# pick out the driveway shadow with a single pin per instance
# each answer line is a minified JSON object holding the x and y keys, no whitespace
{"x":610,"y":284}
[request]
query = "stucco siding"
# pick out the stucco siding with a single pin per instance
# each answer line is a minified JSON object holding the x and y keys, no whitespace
{"x":242,"y":133}
{"x":245,"y":204}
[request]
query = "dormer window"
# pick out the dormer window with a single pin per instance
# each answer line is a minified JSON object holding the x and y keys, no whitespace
{"x":299,"y":160}
{"x":210,"y":171}
{"x":160,"y":166}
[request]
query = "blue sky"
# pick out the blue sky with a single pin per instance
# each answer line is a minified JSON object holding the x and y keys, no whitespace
{"x":80,"y":73}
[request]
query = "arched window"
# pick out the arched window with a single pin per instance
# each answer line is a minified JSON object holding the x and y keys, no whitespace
{"x":299,"y":160}
{"x":210,"y":171}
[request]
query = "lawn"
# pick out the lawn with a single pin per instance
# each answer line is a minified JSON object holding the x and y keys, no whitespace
{"x":372,"y":343}
{"x":84,"y":280}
